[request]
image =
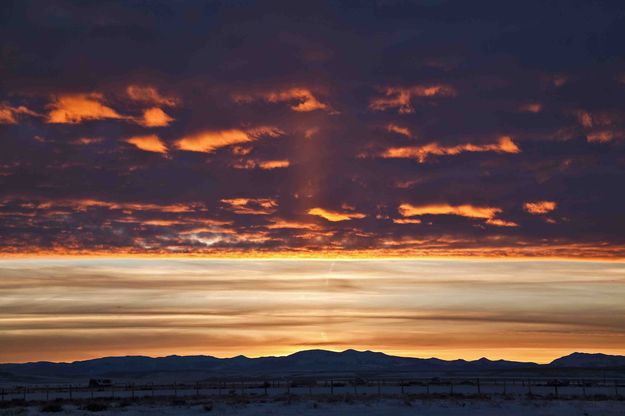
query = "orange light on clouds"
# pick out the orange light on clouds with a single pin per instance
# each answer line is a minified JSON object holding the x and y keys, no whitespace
{"x":149,"y":143}
{"x":394,"y":128}
{"x":505,"y":144}
{"x":400,"y":97}
{"x":335,"y":216}
{"x":75,"y":108}
{"x":540,"y":207}
{"x":469,"y":211}
{"x":155,"y":117}
{"x":211,"y":140}
{"x":274,"y":164}
{"x":150,"y":95}
{"x":251,"y":206}
{"x":301,"y":99}
{"x":9,"y":115}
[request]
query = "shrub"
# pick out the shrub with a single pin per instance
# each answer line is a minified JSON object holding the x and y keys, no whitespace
{"x":95,"y":407}
{"x":51,"y":408}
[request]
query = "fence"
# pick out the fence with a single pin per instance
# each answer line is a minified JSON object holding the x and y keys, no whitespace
{"x":539,"y":388}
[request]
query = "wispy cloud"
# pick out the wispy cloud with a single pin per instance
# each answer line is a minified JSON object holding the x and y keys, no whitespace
{"x":10,"y":115}
{"x":210,"y":140}
{"x":149,"y":143}
{"x":335,"y":216}
{"x":539,"y":207}
{"x":251,"y":206}
{"x":300,"y":99}
{"x":155,"y":117}
{"x":76,"y":108}
{"x":400,"y":98}
{"x":150,"y":95}
{"x":505,"y":144}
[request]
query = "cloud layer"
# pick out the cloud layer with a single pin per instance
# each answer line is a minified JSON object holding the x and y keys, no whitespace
{"x":392,"y":128}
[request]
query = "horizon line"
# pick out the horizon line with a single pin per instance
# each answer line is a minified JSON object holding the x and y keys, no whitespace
{"x":339,"y":351}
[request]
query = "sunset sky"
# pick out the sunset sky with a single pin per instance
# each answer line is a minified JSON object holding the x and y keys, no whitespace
{"x":204,"y":170}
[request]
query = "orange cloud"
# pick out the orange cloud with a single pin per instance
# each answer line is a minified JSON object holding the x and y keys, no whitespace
{"x":211,"y":140}
{"x":539,"y":207}
{"x":501,"y":223}
{"x":466,"y":210}
{"x":75,"y":108}
{"x":603,"y":136}
{"x":251,"y":206}
{"x":301,"y":99}
{"x":155,"y":117}
{"x":8,"y":114}
{"x":394,"y":128}
{"x":335,"y":216}
{"x":149,"y":143}
{"x":406,"y":221}
{"x":274,"y":164}
{"x":149,"y":95}
{"x":400,"y":98}
{"x":421,"y":153}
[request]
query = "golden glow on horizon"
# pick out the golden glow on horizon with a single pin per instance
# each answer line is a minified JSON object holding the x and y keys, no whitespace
{"x":443,"y":308}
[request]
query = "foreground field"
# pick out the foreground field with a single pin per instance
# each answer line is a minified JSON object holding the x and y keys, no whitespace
{"x":334,"y":407}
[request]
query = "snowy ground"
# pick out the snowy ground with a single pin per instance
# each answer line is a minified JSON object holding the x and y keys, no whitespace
{"x":338,"y":407}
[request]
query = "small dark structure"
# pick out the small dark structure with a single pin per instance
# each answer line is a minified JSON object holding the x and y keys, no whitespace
{"x":100,"y":382}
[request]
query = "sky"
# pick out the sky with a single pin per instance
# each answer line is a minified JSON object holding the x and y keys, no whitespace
{"x":139,"y":137}
{"x":380,"y":128}
{"x":67,"y":309}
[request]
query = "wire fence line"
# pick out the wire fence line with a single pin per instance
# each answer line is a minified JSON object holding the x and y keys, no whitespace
{"x":461,"y":387}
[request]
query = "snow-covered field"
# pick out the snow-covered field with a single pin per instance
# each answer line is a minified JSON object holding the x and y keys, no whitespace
{"x":336,"y":407}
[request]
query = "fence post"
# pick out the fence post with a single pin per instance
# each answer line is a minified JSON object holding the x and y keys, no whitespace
{"x":615,"y":388}
{"x":555,"y":388}
{"x":479,"y":388}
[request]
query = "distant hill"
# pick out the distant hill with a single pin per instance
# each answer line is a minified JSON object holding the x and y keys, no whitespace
{"x":310,"y":362}
{"x":586,"y":360}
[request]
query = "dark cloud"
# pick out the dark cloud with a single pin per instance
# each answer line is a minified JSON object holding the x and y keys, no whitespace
{"x":139,"y":106}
